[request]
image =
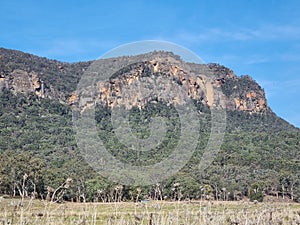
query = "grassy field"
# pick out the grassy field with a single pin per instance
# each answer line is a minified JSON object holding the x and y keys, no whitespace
{"x":155,"y":212}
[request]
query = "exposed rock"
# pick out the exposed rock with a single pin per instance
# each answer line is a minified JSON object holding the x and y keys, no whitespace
{"x":25,"y":73}
{"x":21,"y":82}
{"x":2,"y":83}
{"x":73,"y":98}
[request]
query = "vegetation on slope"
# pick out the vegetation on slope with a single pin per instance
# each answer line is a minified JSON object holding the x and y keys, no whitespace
{"x":259,"y":155}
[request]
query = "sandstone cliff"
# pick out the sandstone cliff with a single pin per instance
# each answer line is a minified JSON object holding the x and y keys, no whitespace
{"x":29,"y":74}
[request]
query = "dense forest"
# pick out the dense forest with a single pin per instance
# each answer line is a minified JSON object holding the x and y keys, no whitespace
{"x":39,"y":156}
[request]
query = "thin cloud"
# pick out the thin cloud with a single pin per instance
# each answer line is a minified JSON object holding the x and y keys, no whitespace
{"x":290,"y":57}
{"x":215,"y":34}
{"x":267,"y":32}
{"x":257,"y":59}
{"x":277,"y":32}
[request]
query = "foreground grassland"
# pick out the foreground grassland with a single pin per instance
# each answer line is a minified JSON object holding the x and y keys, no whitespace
{"x":152,"y":213}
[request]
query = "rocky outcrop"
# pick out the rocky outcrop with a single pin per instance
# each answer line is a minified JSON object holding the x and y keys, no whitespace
{"x":21,"y":81}
{"x":29,"y":74}
{"x":250,"y":103}
{"x":210,"y":84}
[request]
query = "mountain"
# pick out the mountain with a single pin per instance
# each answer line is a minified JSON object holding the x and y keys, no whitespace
{"x":25,"y":73}
{"x":259,"y":154}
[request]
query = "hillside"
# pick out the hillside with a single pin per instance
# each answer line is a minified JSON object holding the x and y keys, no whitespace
{"x":259,"y":155}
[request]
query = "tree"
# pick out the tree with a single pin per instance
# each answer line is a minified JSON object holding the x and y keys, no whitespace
{"x":21,"y":174}
{"x":97,"y":189}
{"x":59,"y":191}
{"x":256,"y":192}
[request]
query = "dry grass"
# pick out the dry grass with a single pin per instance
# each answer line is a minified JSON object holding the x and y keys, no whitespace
{"x":153,"y":213}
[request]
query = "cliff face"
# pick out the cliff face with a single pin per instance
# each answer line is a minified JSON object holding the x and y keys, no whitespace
{"x":25,"y":73}
{"x":210,"y":84}
{"x":20,"y":81}
{"x":155,"y":81}
{"x":243,"y":93}
{"x":28,"y":74}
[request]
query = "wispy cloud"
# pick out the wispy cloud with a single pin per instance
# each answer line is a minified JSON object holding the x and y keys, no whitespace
{"x":286,"y":32}
{"x":283,"y":57}
{"x":256,"y":59}
{"x":215,"y":34}
{"x":290,"y":57}
{"x":266,"y":32}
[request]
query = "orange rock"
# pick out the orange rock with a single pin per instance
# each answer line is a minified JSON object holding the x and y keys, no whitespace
{"x":261,"y":102}
{"x":248,"y":95}
{"x":237,"y":102}
{"x":174,"y":70}
{"x":39,"y":94}
{"x":36,"y":84}
{"x":73,"y":98}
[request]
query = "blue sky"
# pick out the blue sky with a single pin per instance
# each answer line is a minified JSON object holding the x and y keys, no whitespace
{"x":259,"y":38}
